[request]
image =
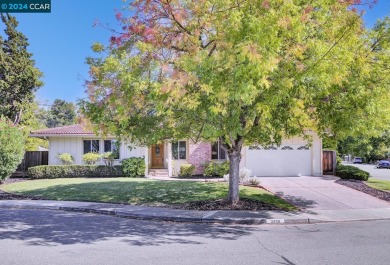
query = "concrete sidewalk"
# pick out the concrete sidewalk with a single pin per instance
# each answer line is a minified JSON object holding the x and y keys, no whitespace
{"x":225,"y":217}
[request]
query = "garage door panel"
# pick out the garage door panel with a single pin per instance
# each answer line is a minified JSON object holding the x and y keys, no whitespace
{"x":279,"y":162}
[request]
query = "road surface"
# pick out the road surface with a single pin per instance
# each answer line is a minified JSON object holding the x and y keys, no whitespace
{"x":37,"y":237}
{"x":377,"y":173}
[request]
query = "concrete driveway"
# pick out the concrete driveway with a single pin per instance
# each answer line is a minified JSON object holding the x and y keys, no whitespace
{"x":315,"y":194}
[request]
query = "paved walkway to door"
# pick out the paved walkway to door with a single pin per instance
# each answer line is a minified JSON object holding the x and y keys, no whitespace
{"x":314,"y":194}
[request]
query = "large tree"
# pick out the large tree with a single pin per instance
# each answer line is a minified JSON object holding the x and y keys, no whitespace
{"x":19,"y":78}
{"x":61,"y":113}
{"x":236,"y":71}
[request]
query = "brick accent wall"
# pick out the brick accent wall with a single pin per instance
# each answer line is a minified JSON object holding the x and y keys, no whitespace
{"x":199,"y":153}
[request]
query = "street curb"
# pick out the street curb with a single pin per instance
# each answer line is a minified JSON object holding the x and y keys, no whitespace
{"x":179,"y":219}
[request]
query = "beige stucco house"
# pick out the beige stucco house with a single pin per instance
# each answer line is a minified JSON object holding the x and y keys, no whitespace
{"x":292,"y":158}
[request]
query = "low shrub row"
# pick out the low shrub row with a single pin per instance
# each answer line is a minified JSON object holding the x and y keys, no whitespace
{"x":131,"y":167}
{"x":74,"y":171}
{"x":351,"y":172}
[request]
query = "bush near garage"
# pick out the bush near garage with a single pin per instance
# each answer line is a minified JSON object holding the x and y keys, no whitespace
{"x":216,"y":169}
{"x":350,"y":172}
{"x":339,"y":160}
{"x":74,"y":171}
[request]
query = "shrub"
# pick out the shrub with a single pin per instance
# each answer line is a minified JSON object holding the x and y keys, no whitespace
{"x":223,"y":168}
{"x":91,"y":158}
{"x":186,"y":170}
{"x":339,"y":161}
{"x":108,"y":158}
{"x":11,"y":148}
{"x":65,"y":158}
{"x":134,"y":166}
{"x":245,"y":173}
{"x":254,"y":181}
{"x":215,"y":169}
{"x":350,"y":172}
{"x":209,"y":169}
{"x":74,"y":171}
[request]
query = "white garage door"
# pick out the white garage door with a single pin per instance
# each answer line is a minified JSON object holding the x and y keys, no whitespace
{"x":282,"y":161}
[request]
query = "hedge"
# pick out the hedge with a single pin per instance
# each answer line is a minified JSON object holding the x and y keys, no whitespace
{"x":74,"y":171}
{"x":351,"y":172}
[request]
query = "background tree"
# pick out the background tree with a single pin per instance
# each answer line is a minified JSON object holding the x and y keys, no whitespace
{"x":19,"y":78}
{"x":34,"y":118}
{"x":370,"y":148}
{"x":240,"y":72}
{"x":61,"y":113}
{"x":372,"y":140}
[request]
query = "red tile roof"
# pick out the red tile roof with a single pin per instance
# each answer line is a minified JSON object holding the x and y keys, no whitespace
{"x":64,"y":130}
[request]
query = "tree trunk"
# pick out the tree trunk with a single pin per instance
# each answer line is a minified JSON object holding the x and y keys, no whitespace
{"x":234,"y":175}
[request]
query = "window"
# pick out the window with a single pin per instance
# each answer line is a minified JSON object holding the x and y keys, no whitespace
{"x":112,"y":146}
{"x":271,"y":147}
{"x":91,"y":146}
{"x":217,"y":152}
{"x":287,"y":148}
{"x":303,"y":147}
{"x":179,"y":150}
{"x":254,"y":147}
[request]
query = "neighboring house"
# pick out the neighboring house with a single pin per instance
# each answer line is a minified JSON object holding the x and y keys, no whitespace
{"x":292,"y":158}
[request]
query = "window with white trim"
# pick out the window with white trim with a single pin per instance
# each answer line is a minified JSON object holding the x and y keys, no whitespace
{"x":179,"y":150}
{"x":217,"y":152}
{"x":91,"y":146}
{"x":113,"y":147}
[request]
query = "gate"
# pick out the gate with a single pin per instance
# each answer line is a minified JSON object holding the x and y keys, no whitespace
{"x":329,"y":162}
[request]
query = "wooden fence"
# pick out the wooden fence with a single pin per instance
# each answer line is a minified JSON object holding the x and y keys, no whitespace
{"x":32,"y":159}
{"x":329,"y":162}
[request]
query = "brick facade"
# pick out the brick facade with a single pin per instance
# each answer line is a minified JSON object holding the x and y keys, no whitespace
{"x":199,"y":154}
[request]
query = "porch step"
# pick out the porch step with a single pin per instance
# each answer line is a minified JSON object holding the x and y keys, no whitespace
{"x":158,"y":172}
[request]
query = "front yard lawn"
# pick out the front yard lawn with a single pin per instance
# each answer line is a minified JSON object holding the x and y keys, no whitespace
{"x":379,"y":184}
{"x":136,"y":191}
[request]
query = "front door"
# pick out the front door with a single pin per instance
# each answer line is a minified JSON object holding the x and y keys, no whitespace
{"x":158,"y":156}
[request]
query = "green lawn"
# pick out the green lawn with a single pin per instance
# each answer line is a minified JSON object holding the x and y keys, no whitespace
{"x":379,"y":184}
{"x":136,"y":191}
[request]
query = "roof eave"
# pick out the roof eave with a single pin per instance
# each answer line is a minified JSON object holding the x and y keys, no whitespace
{"x":41,"y":135}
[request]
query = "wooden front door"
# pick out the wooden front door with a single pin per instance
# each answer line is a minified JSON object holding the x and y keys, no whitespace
{"x":158,"y":156}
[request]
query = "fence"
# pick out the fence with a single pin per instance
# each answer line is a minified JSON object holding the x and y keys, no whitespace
{"x":32,"y":159}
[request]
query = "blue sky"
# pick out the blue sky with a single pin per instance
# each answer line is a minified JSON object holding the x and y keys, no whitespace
{"x":61,"y":40}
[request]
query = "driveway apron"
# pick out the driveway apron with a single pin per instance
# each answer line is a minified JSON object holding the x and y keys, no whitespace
{"x":320,"y":193}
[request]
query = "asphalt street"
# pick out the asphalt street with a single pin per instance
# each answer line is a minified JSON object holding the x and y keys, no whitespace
{"x":57,"y":237}
{"x":377,"y":173}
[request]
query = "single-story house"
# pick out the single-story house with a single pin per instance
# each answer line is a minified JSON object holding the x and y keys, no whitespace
{"x":293,"y":157}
